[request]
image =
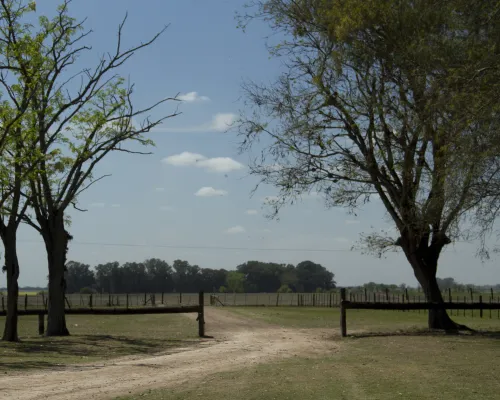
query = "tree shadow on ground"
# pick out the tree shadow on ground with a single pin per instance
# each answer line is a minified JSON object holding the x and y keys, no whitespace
{"x":54,"y":353}
{"x":494,"y":334}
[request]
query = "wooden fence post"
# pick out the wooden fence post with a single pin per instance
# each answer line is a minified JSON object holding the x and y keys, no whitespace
{"x":343,"y":321}
{"x":480,"y":306}
{"x":450,"y":300}
{"x":90,"y":300}
{"x":162,"y":298}
{"x":126,"y":300}
{"x":387,"y":298}
{"x":41,"y":323}
{"x":201,"y":315}
{"x":26,"y":301}
{"x":471,"y":300}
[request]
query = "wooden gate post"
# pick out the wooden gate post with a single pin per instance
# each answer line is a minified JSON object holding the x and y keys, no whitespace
{"x":41,"y":323}
{"x":343,"y":322}
{"x":201,"y":315}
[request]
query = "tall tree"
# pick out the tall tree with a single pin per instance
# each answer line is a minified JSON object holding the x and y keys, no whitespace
{"x":160,"y":275}
{"x":374,"y":102}
{"x":77,"y":125}
{"x":314,"y":276}
{"x":20,"y":63}
{"x":78,"y":276}
{"x":235,"y":282}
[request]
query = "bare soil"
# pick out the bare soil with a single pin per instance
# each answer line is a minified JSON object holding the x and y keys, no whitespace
{"x":237,"y":342}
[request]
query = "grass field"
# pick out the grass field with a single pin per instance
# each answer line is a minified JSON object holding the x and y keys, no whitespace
{"x":382,"y":365}
{"x":95,"y":337}
{"x":368,"y":320}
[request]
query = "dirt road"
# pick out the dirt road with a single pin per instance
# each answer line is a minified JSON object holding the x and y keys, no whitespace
{"x":237,"y":343}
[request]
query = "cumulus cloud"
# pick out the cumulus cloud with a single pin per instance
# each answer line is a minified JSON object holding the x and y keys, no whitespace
{"x":98,"y":205}
{"x":185,"y":159}
{"x":251,"y":212}
{"x":235,"y":230}
{"x":220,"y":122}
{"x":216,"y":164}
{"x":192,"y":97}
{"x":209,"y":191}
{"x":223,"y":121}
{"x":221,"y":164}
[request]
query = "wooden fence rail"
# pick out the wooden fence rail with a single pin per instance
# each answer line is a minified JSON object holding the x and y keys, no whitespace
{"x":200,"y":309}
{"x":331,"y":299}
{"x":347,"y":304}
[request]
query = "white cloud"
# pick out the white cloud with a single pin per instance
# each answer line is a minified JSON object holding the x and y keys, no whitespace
{"x":216,"y":164}
{"x":166,"y":208}
{"x":251,"y":212}
{"x":223,"y":121}
{"x":192,"y":97}
{"x":235,"y":230}
{"x":98,"y":205}
{"x":209,"y":191}
{"x":352,"y":221}
{"x":115,"y":205}
{"x":220,"y":122}
{"x":185,"y":159}
{"x":221,"y":164}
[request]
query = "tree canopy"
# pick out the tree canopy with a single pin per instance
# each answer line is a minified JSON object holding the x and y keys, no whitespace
{"x":391,"y":99}
{"x":155,"y":275}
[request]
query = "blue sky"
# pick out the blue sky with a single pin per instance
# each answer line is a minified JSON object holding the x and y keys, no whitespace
{"x":191,"y":198}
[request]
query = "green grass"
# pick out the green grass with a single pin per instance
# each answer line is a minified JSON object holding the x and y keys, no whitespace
{"x":369,"y":320}
{"x":95,"y":337}
{"x":379,"y":368}
{"x":385,"y":364}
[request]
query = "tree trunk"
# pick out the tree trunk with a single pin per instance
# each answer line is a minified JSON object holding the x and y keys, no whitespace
{"x":425,"y":269}
{"x":56,"y":241}
{"x":12,"y":270}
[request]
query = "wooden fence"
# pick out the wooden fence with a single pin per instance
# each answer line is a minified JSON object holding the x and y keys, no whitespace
{"x":125,"y":310}
{"x":408,"y":306}
{"x":331,"y":299}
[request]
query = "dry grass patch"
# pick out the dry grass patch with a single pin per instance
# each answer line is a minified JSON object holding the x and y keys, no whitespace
{"x":94,"y":338}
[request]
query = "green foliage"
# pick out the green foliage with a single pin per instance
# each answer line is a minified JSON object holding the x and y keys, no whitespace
{"x":235,"y":282}
{"x":388,"y":98}
{"x":222,"y":289}
{"x":87,"y":290}
{"x":285,"y":289}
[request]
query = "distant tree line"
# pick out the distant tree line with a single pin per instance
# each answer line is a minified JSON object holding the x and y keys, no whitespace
{"x":155,"y":275}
